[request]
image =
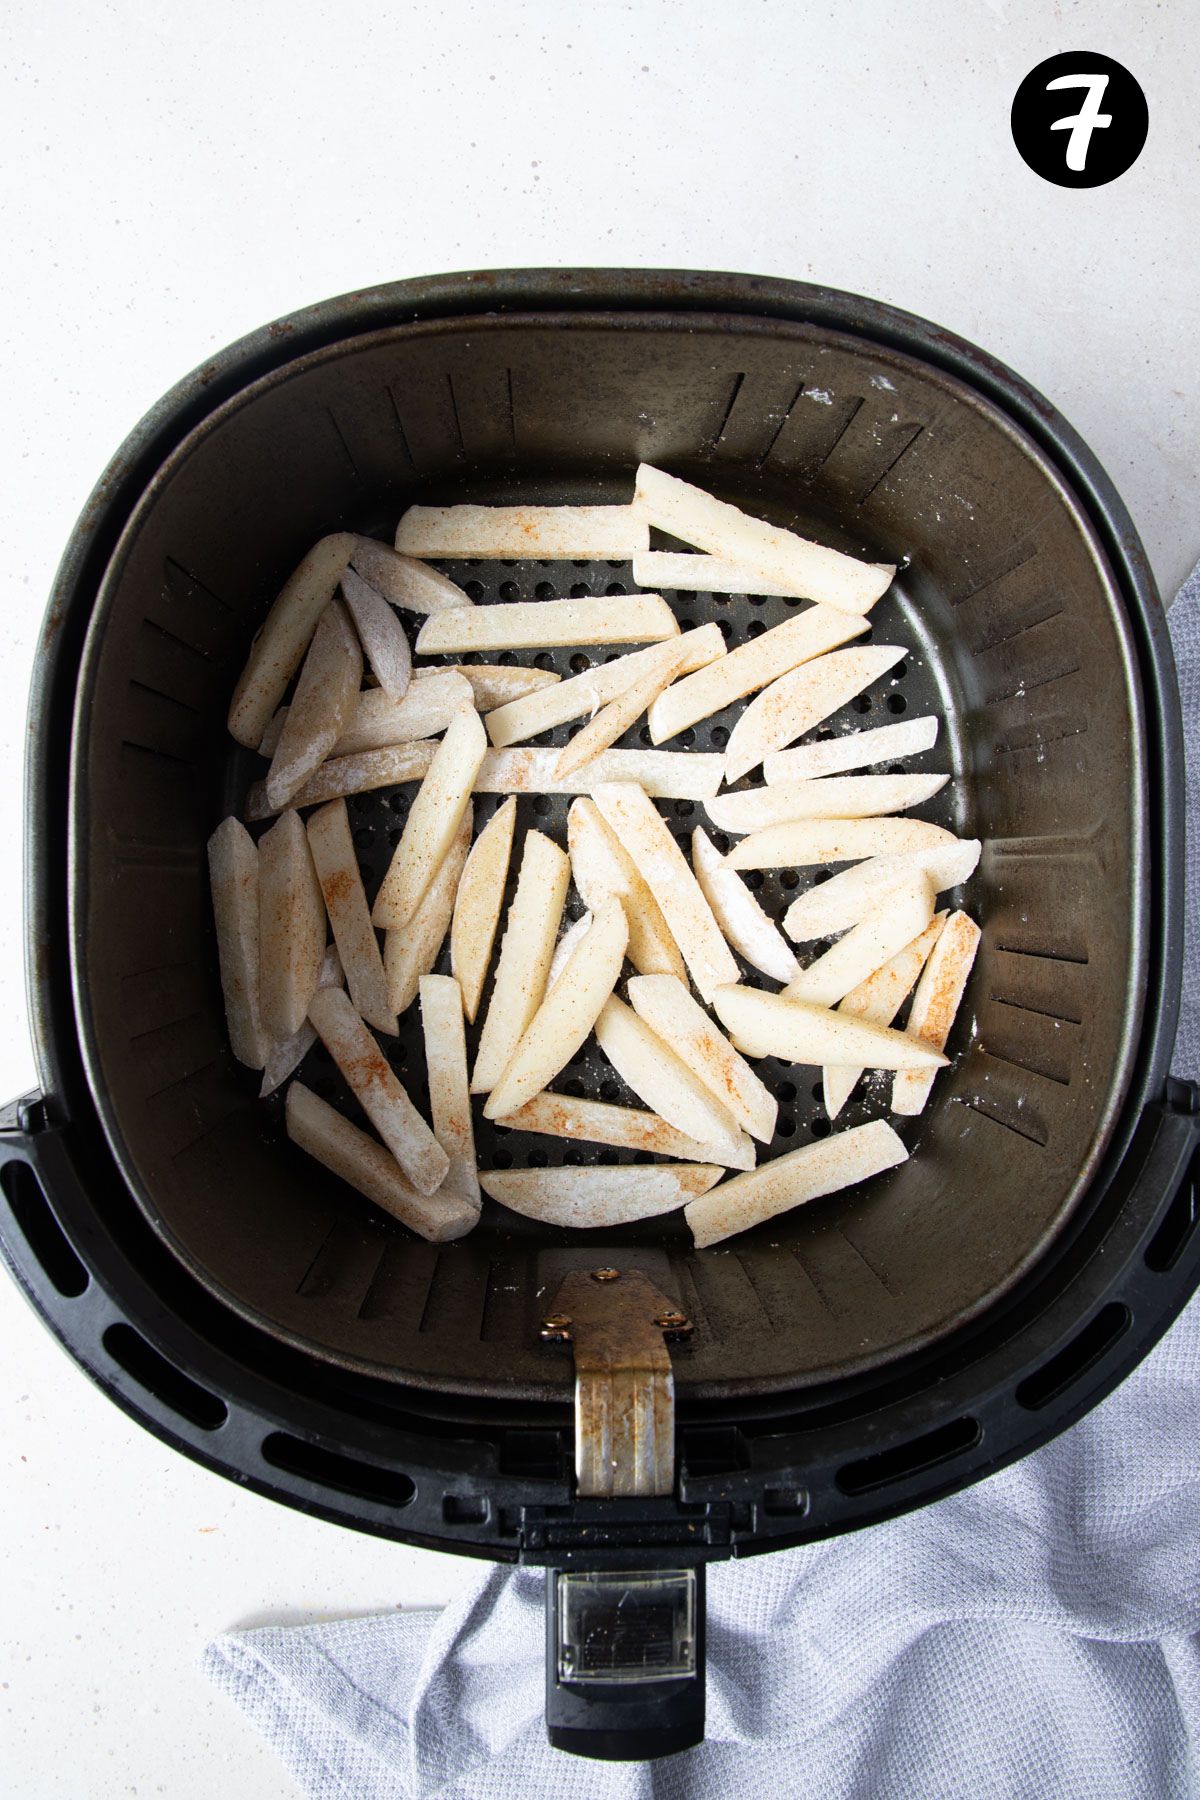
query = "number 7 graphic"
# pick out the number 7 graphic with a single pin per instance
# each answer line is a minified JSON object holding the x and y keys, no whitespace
{"x":1089,"y":118}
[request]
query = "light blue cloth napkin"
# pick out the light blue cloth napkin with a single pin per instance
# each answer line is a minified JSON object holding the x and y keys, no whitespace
{"x":1034,"y":1638}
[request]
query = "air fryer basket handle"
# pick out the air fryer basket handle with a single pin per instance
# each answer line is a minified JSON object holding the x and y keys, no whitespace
{"x":601,"y":1622}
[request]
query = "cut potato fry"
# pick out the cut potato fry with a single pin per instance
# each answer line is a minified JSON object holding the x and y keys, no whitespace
{"x":233,"y":867}
{"x":769,"y":1025}
{"x":412,"y":951}
{"x":807,"y":843}
{"x":625,"y":1127}
{"x":590,"y":1198}
{"x":346,"y":903}
{"x":321,"y":707}
{"x":743,"y":921}
{"x":496,"y":684}
{"x":537,"y":624}
{"x":373,"y":1083}
{"x":539,"y":531}
{"x":826,"y":1167}
{"x":284,"y":1057}
{"x":877,"y":1000}
{"x":801,"y":699}
{"x":449,"y":1097}
{"x":613,"y":720}
{"x":691,"y":572}
{"x":663,"y":1080}
{"x":377,"y":721}
{"x":903,"y":915}
{"x":811,"y":570}
{"x":477,"y":905}
{"x":433,"y":819}
{"x":671,"y":1013}
{"x":833,"y":797}
{"x":567,"y":945}
{"x":853,"y":750}
{"x":596,"y":687}
{"x":566,"y":1015}
{"x":839,"y":903}
{"x":666,"y":774}
{"x":526,"y":953}
{"x":356,"y":1158}
{"x":935,"y":1004}
{"x":811,"y":633}
{"x":291,"y":927}
{"x":382,"y":636}
{"x":403,"y":580}
{"x":286,"y":633}
{"x":601,"y":868}
{"x":642,"y":830}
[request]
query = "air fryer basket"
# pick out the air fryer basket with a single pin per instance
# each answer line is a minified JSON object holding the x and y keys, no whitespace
{"x":860,"y":1355}
{"x":1018,"y":639}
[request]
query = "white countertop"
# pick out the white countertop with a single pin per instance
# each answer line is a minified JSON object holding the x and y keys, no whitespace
{"x":174,"y":178}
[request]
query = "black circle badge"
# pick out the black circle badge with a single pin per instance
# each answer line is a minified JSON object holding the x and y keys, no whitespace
{"x":1079,"y":119}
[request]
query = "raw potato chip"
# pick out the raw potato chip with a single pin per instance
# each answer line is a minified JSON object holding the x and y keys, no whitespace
{"x":412,"y":951}
{"x":850,"y":895}
{"x":797,"y":1031}
{"x":807,"y":843}
{"x":811,"y":570}
{"x":373,"y":1083}
{"x":854,"y":750}
{"x":691,"y":572}
{"x":613,"y":720}
{"x":403,"y":580}
{"x":935,"y":1004}
{"x":321,"y":706}
{"x":346,"y":903}
{"x":377,"y":721}
{"x":283,"y":1058}
{"x":548,"y":532}
{"x":752,"y":665}
{"x":356,"y":1158}
{"x":662,"y":1079}
{"x":666,"y":774}
{"x":877,"y":1000}
{"x":624,"y":1127}
{"x":291,"y":927}
{"x":433,"y":819}
{"x":496,"y":684}
{"x":383,"y":637}
{"x":566,"y":1015}
{"x":903,"y":915}
{"x":449,"y":1098}
{"x":833,"y":797}
{"x":743,"y":921}
{"x":535,"y":624}
{"x":526,"y":953}
{"x":596,"y":687}
{"x":233,"y":872}
{"x":477,"y":905}
{"x":670,"y":1011}
{"x":602,"y":867}
{"x":816,"y":1169}
{"x":587,"y":1199}
{"x":801,"y":699}
{"x":286,"y":633}
{"x":642,"y":830}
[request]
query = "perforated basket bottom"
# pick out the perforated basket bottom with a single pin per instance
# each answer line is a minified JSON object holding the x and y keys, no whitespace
{"x":377,"y":819}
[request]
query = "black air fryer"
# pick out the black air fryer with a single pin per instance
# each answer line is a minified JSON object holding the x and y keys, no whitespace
{"x":857,"y":1357}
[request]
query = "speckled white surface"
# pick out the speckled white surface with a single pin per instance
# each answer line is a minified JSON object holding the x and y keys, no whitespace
{"x":176,"y":176}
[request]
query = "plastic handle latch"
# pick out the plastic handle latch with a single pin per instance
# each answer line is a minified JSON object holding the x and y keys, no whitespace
{"x":625,"y":1662}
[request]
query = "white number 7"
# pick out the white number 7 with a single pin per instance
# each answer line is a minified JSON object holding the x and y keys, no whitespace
{"x":1089,"y":118}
